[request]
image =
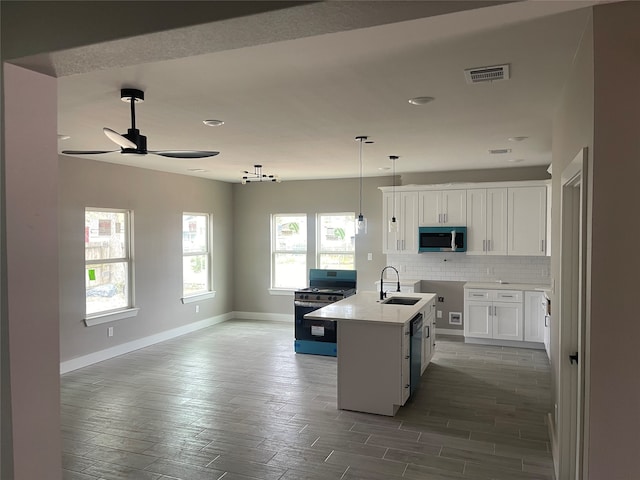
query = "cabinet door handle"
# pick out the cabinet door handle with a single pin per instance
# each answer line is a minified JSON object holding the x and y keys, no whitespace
{"x":489,"y":245}
{"x":546,"y":320}
{"x":446,"y":217}
{"x":407,"y":357}
{"x":484,"y":245}
{"x":542,"y":246}
{"x":495,"y":311}
{"x":407,"y":386}
{"x":428,"y":331}
{"x":439,"y":218}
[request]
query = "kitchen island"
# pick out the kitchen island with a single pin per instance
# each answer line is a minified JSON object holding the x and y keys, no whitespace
{"x":374,"y":349}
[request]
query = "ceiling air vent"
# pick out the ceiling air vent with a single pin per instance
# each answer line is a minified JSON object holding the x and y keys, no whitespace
{"x":499,"y":151}
{"x":487,"y":74}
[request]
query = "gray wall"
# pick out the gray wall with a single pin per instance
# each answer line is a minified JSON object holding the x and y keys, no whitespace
{"x":452,"y":294}
{"x":157,"y":200}
{"x":488,"y":175}
{"x":255,"y":202}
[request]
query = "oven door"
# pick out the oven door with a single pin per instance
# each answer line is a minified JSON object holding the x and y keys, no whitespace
{"x":314,"y":330}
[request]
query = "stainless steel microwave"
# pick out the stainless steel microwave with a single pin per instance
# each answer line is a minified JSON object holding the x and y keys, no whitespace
{"x":442,"y":239}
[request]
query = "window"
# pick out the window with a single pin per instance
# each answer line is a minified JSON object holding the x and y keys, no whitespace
{"x":289,"y":250}
{"x":108,"y":266}
{"x":336,"y":241}
{"x":196,"y":254}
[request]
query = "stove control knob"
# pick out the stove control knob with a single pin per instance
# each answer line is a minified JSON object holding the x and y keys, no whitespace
{"x":333,"y":298}
{"x":306,"y":297}
{"x":318,"y":297}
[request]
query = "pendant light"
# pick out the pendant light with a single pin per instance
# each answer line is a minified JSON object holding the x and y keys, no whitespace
{"x":361,"y":222}
{"x":393,"y":223}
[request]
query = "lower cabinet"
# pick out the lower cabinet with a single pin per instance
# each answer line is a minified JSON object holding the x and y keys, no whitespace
{"x":493,"y":314}
{"x":374,"y":367}
{"x":534,"y":313}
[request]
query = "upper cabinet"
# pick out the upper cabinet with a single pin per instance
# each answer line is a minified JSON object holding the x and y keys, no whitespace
{"x":502,"y":218}
{"x":405,"y":239}
{"x":527,"y":224}
{"x":443,"y":207}
{"x":487,"y":221}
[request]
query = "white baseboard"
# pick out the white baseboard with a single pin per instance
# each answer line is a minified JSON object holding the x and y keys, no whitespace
{"x":272,"y":317}
{"x":504,"y":343}
{"x":95,"y":357}
{"x":449,"y":331}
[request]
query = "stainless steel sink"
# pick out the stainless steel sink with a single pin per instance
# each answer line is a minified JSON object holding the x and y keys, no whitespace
{"x":401,"y":301}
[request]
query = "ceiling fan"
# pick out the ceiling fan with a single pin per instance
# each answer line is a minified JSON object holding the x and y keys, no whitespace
{"x":132,"y":143}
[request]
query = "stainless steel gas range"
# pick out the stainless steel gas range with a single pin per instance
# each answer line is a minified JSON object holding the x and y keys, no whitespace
{"x":318,"y":337}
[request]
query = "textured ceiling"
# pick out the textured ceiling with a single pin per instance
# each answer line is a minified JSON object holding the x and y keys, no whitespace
{"x":295,"y":86}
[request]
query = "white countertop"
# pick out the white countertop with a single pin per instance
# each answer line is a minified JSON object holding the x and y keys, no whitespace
{"x":366,"y":307}
{"x":508,"y":286}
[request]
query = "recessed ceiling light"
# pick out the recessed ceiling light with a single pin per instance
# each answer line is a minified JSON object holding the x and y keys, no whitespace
{"x":197,"y":170}
{"x":421,"y":100}
{"x":384,"y":168}
{"x":517,"y":139}
{"x":213,"y":123}
{"x":63,"y":137}
{"x":515,"y":160}
{"x":499,"y":151}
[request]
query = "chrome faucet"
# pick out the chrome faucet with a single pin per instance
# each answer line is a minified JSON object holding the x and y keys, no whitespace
{"x":382,"y":292}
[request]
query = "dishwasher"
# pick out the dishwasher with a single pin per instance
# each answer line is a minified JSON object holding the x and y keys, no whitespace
{"x":415,"y":352}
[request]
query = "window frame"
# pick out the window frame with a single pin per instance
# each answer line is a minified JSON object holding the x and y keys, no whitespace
{"x":129,"y":310}
{"x":209,"y":292}
{"x":274,"y":252}
{"x":318,"y":246}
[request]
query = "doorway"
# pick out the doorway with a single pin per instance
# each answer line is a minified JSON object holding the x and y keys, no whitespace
{"x":573,"y":360}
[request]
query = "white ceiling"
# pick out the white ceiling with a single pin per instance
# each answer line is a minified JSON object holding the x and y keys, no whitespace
{"x":296,"y":105}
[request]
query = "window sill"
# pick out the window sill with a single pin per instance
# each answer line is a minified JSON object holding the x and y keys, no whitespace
{"x":282,"y":292}
{"x":198,"y":297}
{"x":110,"y":317}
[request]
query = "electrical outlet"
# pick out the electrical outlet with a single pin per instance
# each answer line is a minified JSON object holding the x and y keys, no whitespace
{"x":440,"y":299}
{"x":197,"y":308}
{"x":369,"y":256}
{"x":438,"y":313}
{"x":110,"y":332}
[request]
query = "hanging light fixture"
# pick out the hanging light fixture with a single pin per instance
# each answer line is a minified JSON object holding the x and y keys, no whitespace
{"x":361,"y":222}
{"x":393,"y":223}
{"x":258,"y":176}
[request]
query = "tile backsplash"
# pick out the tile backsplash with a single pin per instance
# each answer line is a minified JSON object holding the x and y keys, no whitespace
{"x":472,"y":268}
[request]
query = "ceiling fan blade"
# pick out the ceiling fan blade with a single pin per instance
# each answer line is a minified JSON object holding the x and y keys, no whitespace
{"x":185,"y":153}
{"x":87,"y":152}
{"x":118,"y":139}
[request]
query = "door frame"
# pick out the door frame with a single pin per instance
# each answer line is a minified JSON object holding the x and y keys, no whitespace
{"x":573,"y":408}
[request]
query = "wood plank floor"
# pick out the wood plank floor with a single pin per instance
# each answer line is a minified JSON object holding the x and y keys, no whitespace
{"x":234,"y":402}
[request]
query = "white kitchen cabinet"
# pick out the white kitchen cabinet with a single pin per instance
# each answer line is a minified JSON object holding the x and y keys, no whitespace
{"x":405,"y":239}
{"x":527,"y":221}
{"x":534,"y":316}
{"x":493,"y":314}
{"x":487,"y":221}
{"x":374,"y":367}
{"x":429,"y":334}
{"x":443,"y":207}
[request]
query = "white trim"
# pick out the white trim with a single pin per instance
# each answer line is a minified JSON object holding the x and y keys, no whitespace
{"x":450,"y":331}
{"x":111,"y":317}
{"x":281,"y":292}
{"x":198,"y":296}
{"x":272,"y":317}
{"x":504,"y":343}
{"x":99,"y":356}
{"x":465,"y":186}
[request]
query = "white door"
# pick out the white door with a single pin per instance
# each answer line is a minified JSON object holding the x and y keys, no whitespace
{"x":454,"y":207}
{"x":507,"y":321}
{"x":478,"y":319}
{"x":573,"y":361}
{"x":527,"y":229}
{"x":496,"y":243}
{"x":409,"y":222}
{"x":430,"y":207}
{"x":477,"y":222}
{"x":390,"y":241}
